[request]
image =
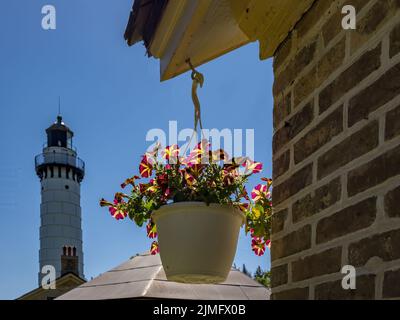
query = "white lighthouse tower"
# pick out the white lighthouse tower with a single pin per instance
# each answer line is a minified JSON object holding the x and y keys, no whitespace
{"x":61,"y":173}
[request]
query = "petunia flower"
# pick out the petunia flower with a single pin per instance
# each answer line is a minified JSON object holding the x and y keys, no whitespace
{"x":145,"y":167}
{"x":218,"y":155}
{"x":105,"y":203}
{"x":228,"y":177}
{"x":151,"y":230}
{"x":171,"y":153}
{"x":259,"y":192}
{"x":199,"y":154}
{"x":252,"y":166}
{"x":195,"y":169}
{"x":268,"y":180}
{"x":154,"y":249}
{"x":189,"y":178}
{"x":258,"y":246}
{"x":117,"y":211}
{"x":152,"y":189}
{"x":238,"y":161}
{"x":130,"y":181}
{"x":152,"y":155}
{"x":162,"y":179}
{"x":268,"y":243}
{"x":167,"y":193}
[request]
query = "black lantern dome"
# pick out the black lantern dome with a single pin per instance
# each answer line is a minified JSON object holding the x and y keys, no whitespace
{"x":59,"y":135}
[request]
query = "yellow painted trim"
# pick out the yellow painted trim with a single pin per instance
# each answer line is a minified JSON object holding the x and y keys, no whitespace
{"x":166,"y":27}
{"x":268,"y":21}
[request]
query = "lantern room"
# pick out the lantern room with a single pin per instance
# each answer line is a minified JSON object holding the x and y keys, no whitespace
{"x":59,"y":135}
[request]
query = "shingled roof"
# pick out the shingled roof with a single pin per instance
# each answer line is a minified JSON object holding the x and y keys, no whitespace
{"x":143,"y":277}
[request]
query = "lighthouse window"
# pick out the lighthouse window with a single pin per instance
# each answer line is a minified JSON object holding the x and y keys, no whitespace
{"x":67,"y":187}
{"x":52,"y":172}
{"x":59,"y":172}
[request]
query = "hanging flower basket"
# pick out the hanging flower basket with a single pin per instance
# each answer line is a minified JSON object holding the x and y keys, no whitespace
{"x":196,"y":205}
{"x":198,"y":241}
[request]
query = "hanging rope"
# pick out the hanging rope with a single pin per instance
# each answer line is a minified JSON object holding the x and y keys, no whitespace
{"x":198,"y":80}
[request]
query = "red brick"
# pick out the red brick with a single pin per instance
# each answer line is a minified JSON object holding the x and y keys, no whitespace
{"x":351,"y":219}
{"x":323,"y":198}
{"x":312,"y":17}
{"x":324,"y":132}
{"x":385,"y":246}
{"x":282,"y":108}
{"x":281,"y":165}
{"x":279,"y":275}
{"x":359,"y":143}
{"x":392,"y":207}
{"x":305,"y":86}
{"x":395,"y":41}
{"x":293,"y":127}
{"x":319,"y":264}
{"x":278,"y":220}
{"x":292,"y":294}
{"x":283,"y":52}
{"x":351,"y":77}
{"x":298,"y":181}
{"x":302,"y":59}
{"x":384,"y":89}
{"x":331,"y":61}
{"x":334,"y":25}
{"x":371,"y":22}
{"x":391,"y":284}
{"x":392,"y":127}
{"x":365,"y":289}
{"x":292,"y":243}
{"x":374,"y":172}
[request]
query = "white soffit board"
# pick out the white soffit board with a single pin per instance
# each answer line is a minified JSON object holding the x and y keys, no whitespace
{"x":203,"y":30}
{"x":206,"y":29}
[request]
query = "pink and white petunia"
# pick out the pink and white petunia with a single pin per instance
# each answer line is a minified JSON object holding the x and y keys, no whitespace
{"x":252,"y":166}
{"x":258,"y":246}
{"x":171,"y":153}
{"x":259,"y":192}
{"x":117,"y":212}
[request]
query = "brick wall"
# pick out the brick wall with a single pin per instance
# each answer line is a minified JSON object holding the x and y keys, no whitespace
{"x":336,"y":151}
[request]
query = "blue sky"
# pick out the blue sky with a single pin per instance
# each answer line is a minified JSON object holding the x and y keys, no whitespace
{"x":111,"y":97}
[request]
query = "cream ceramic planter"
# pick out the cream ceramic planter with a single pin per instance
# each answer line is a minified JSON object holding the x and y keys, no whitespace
{"x":197,"y":242}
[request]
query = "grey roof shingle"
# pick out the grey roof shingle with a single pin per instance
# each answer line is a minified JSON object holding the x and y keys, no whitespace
{"x":143,"y":277}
